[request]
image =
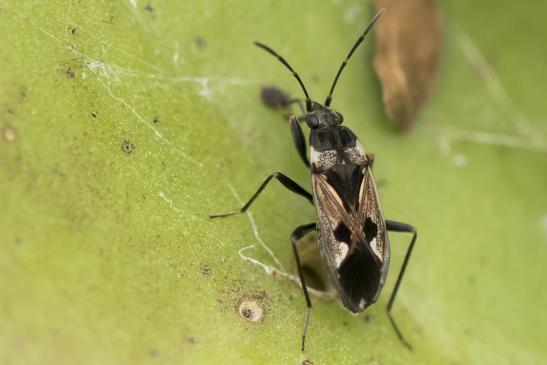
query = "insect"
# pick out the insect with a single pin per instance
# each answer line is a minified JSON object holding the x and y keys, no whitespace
{"x":352,"y":231}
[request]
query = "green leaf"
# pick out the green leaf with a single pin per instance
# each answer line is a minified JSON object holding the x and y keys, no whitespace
{"x":125,"y":123}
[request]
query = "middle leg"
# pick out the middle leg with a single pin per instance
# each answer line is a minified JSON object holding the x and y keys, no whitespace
{"x":298,"y":233}
{"x":394,"y":226}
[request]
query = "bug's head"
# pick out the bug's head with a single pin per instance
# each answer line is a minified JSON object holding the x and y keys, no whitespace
{"x":319,"y":115}
{"x":322,"y":116}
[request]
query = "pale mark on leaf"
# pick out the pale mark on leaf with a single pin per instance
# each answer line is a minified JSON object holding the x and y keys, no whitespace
{"x":179,"y":211}
{"x":493,"y":83}
{"x":352,"y":12}
{"x":543,"y":224}
{"x":158,"y":135}
{"x":448,"y":138}
{"x":254,"y":227}
{"x":459,"y":160}
{"x":270,"y":270}
{"x":109,"y":72}
{"x":530,"y":139}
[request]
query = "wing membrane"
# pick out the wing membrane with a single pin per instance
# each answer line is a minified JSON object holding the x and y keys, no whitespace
{"x":352,"y":233}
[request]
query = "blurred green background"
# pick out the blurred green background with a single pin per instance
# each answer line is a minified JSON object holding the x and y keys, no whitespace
{"x":123,"y":124}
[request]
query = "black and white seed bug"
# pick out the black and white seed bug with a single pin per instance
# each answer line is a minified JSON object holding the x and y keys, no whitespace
{"x":352,"y":231}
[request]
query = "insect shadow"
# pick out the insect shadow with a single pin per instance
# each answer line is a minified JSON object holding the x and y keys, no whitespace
{"x":351,"y":229}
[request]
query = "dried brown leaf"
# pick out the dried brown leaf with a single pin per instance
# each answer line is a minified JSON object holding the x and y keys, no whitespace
{"x":408,"y":50}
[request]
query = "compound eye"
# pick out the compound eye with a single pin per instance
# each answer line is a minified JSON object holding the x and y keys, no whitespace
{"x":340,"y":117}
{"x":312,"y":120}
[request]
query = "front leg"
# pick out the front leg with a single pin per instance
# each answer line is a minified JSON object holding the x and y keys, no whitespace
{"x":300,"y":103}
{"x":298,"y":139}
{"x":286,"y":181}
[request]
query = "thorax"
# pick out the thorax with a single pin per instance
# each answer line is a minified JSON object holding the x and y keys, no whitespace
{"x":335,"y":145}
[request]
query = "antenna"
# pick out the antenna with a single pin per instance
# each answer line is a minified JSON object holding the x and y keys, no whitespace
{"x":359,"y":41}
{"x":273,"y":53}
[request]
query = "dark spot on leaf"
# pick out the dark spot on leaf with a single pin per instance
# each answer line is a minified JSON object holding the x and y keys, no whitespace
{"x":55,"y":170}
{"x":372,"y":360}
{"x":251,"y":309}
{"x":366,"y":317}
{"x":127,"y":146}
{"x":18,"y":241}
{"x":149,"y":8}
{"x":307,"y":362}
{"x":205,"y":270}
{"x":200,"y":42}
{"x":381,"y":182}
{"x":156,"y":120}
{"x":110,"y":20}
{"x":23,"y":93}
{"x":408,"y":50}
{"x":69,"y":73}
{"x":94,"y":114}
{"x":73,"y":30}
{"x":274,"y":97}
{"x":247,"y":313}
{"x":190,"y":339}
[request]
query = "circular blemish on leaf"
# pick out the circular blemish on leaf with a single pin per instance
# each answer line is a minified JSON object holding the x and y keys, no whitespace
{"x":190,"y":339}
{"x":127,"y":146}
{"x":9,"y":133}
{"x":149,"y":8}
{"x":205,"y":270}
{"x":251,"y":310}
{"x":200,"y":42}
{"x":69,"y":72}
